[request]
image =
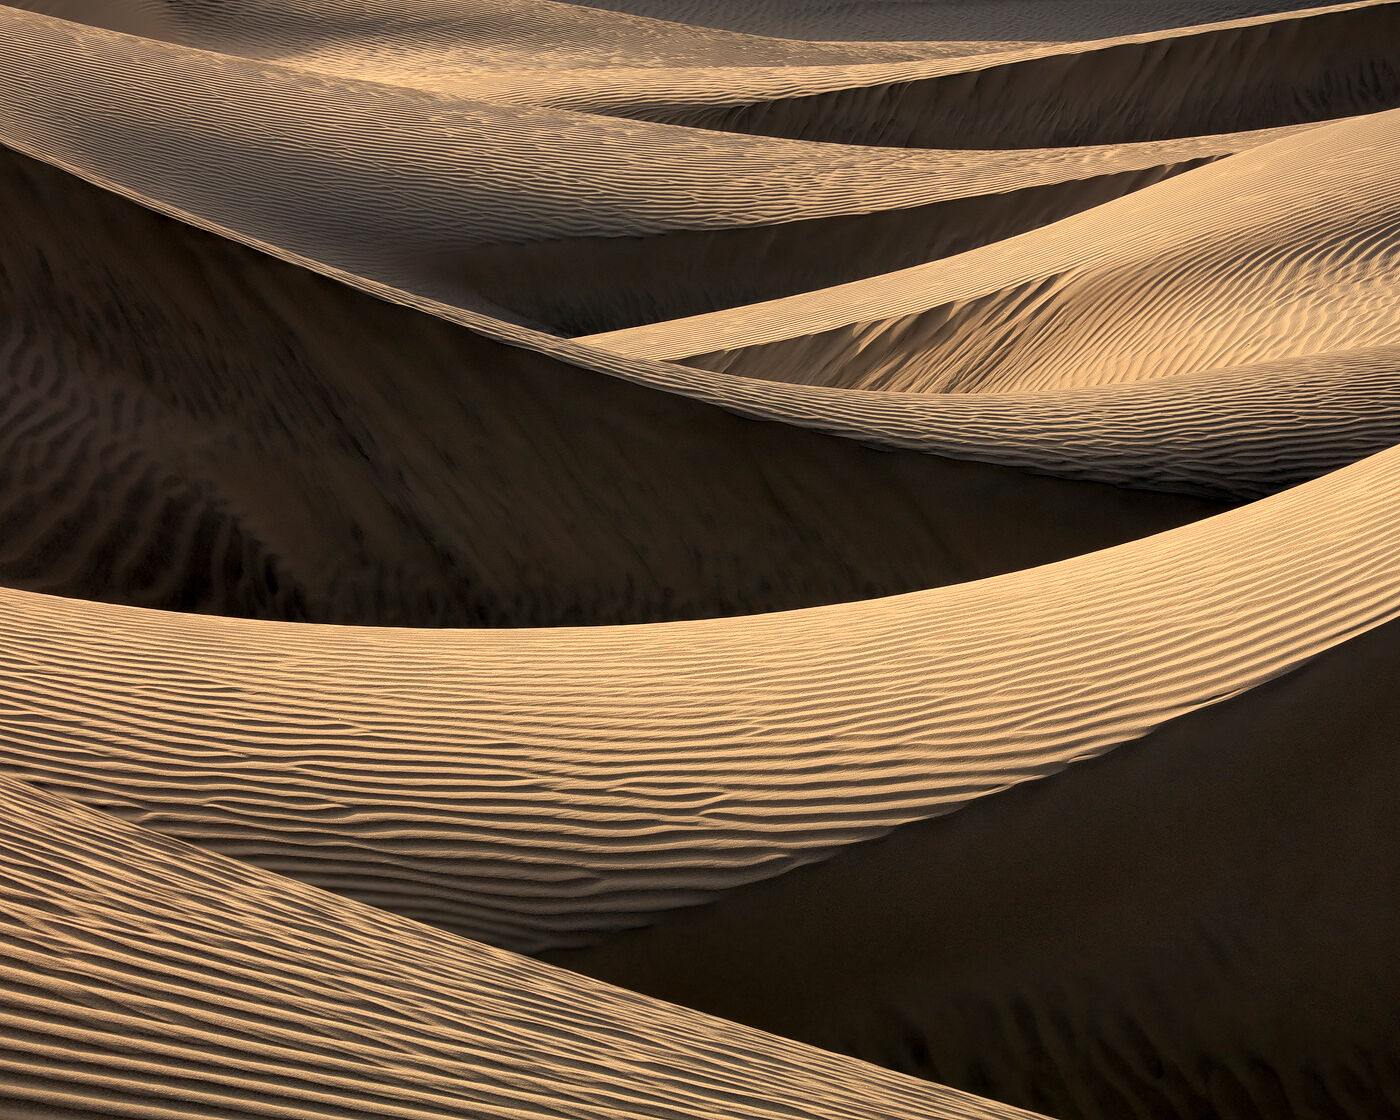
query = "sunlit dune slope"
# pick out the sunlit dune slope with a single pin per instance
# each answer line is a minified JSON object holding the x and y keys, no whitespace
{"x":1232,"y":264}
{"x":141,"y":978}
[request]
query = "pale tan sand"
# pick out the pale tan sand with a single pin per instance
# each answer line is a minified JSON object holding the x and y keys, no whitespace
{"x":517,"y":211}
{"x":538,"y":788}
{"x":1201,"y":924}
{"x":1232,"y":264}
{"x":142,"y":978}
{"x":200,"y":427}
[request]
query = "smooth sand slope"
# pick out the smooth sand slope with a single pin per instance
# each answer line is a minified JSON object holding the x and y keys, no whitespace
{"x":1228,"y":265}
{"x":195,"y":425}
{"x":518,"y":211}
{"x":537,"y":788}
{"x":142,"y":978}
{"x":1201,"y":924}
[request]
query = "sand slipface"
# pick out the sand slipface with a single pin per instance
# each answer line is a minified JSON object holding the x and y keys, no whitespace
{"x":876,"y":521}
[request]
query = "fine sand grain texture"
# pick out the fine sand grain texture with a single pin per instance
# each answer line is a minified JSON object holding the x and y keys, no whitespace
{"x":142,"y":978}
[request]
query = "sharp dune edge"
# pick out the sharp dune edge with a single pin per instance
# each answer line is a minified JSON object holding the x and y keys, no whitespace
{"x":212,"y":430}
{"x":1205,"y":925}
{"x":195,"y":986}
{"x":538,"y":788}
{"x":877,"y":521}
{"x":1231,"y":264}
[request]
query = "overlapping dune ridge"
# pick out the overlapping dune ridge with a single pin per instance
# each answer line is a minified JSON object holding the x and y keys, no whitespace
{"x":887,"y":535}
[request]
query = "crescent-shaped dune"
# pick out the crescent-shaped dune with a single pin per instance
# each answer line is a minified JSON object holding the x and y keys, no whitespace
{"x":141,"y":978}
{"x":1202,"y":923}
{"x":537,"y":788}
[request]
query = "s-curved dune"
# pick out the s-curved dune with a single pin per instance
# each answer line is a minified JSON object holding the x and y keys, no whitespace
{"x":197,"y":426}
{"x":537,"y":788}
{"x":518,"y":211}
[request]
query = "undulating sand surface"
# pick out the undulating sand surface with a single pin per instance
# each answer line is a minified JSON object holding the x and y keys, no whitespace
{"x":538,"y":788}
{"x":877,"y":521}
{"x":145,"y":978}
{"x":209,"y":429}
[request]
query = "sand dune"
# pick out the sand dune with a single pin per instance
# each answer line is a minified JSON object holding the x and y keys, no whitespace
{"x":876,"y":520}
{"x":197,"y":426}
{"x":1254,"y":73}
{"x":1232,"y":264}
{"x":921,"y":20}
{"x":517,"y":211}
{"x":142,"y":978}
{"x":1205,"y":927}
{"x":537,"y":788}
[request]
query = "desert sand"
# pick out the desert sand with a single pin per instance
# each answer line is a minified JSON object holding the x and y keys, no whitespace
{"x":873,"y":524}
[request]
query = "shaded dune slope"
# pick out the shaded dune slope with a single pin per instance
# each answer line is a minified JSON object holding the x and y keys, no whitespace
{"x":973,"y":21}
{"x":1245,"y":74}
{"x":537,"y":788}
{"x":1232,"y":264}
{"x":194,"y":425}
{"x":518,"y":211}
{"x":1200,"y":924}
{"x":141,"y":978}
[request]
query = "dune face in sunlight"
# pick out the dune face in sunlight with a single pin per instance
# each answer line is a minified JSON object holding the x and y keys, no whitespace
{"x":879,"y":522}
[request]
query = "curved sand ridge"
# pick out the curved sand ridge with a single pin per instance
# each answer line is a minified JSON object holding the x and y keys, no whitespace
{"x":145,"y":979}
{"x":1199,"y":924}
{"x":1276,"y":70}
{"x":1229,"y":434}
{"x":974,"y":20}
{"x":1238,"y":75}
{"x":1232,"y":264}
{"x":193,"y":425}
{"x":517,"y":211}
{"x":537,"y":788}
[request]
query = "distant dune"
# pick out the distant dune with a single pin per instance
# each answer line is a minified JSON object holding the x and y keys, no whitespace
{"x":538,"y":788}
{"x":878,"y":521}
